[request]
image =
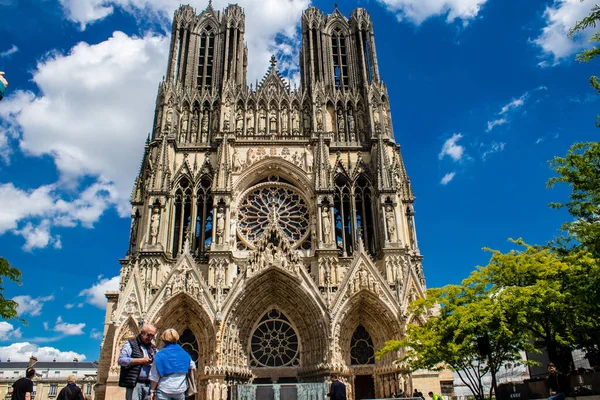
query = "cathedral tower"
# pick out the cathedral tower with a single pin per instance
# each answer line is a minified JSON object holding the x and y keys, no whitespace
{"x":272,"y":227}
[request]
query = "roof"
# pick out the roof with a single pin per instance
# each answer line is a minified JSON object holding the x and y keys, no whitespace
{"x":42,"y":365}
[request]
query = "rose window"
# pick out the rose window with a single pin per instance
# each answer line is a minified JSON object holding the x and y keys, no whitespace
{"x":362,"y":350}
{"x":274,"y":342}
{"x":273,"y":203}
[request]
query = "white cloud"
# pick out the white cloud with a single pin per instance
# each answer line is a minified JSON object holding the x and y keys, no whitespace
{"x":495,"y":147}
{"x":417,"y":11}
{"x":540,"y":140}
{"x":22,"y":352}
{"x":450,"y":148}
{"x":8,"y":331}
{"x":265,"y":19}
{"x":40,"y":209}
{"x":96,"y":334}
{"x":7,"y":53}
{"x":68,"y":329}
{"x":31,"y":306}
{"x":559,"y":17}
{"x":511,"y":106}
{"x":447,"y":178}
{"x":496,"y":122}
{"x":96,"y":294}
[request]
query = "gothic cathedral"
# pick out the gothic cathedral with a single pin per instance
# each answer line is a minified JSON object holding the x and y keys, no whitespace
{"x":272,"y":227}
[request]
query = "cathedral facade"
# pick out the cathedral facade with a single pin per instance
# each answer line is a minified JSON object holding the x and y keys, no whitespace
{"x":272,"y":226}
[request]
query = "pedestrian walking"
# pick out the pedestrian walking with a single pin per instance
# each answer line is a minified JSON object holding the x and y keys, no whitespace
{"x":337,"y":390}
{"x":23,"y":387}
{"x":71,"y":391}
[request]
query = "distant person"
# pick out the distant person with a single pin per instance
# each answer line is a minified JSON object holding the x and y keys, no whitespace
{"x":169,"y":371}
{"x":22,"y":388}
{"x":435,"y":396}
{"x":3,"y":84}
{"x":559,"y":385}
{"x":337,"y":390}
{"x":136,"y":359}
{"x":71,"y":391}
{"x":399,"y":394}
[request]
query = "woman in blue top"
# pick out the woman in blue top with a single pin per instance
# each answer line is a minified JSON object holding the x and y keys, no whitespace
{"x":3,"y":84}
{"x":170,"y":368}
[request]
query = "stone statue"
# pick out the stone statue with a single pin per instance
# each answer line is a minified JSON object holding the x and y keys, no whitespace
{"x":284,"y":120}
{"x":154,"y":225}
{"x":376,"y":120}
{"x":295,"y":121}
{"x":262,"y":121}
{"x":204,"y":127}
{"x":341,"y":124}
{"x":239,"y":122}
{"x":237,"y":161}
{"x":250,"y":120}
{"x":306,"y":120}
{"x":220,"y":226}
{"x":169,"y":120}
{"x":351,"y":125}
{"x":233,"y":226}
{"x":319,"y":120}
{"x":390,"y":221}
{"x":326,"y":221}
{"x":194,"y":130}
{"x":308,"y":158}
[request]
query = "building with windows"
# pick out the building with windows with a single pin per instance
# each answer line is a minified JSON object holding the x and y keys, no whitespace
{"x":51,"y":376}
{"x":272,"y":226}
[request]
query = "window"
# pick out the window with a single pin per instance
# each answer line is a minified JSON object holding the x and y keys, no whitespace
{"x":274,"y":342}
{"x":361,"y":347}
{"x":188,"y":341}
{"x":53,"y":389}
{"x":205,"y":61}
{"x":340,"y":60}
{"x":447,"y":388}
{"x":204,"y":217}
{"x":182,"y":212}
{"x":343,"y":217}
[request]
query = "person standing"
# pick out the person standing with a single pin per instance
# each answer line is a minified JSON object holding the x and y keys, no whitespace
{"x":71,"y":391}
{"x":170,"y":369}
{"x":23,"y":388}
{"x":337,"y":390}
{"x":3,"y":84}
{"x":136,"y":359}
{"x":559,"y":386}
{"x":435,"y":396}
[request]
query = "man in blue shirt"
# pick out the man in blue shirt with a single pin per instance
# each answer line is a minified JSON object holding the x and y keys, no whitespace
{"x":136,"y":359}
{"x":3,"y":84}
{"x":337,"y":390}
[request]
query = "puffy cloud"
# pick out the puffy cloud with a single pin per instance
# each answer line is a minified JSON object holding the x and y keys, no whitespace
{"x":266,"y":20}
{"x":417,"y":11}
{"x":95,"y":295}
{"x":7,"y":53}
{"x":447,"y":178}
{"x":31,"y":306}
{"x":494,"y":147}
{"x":92,"y":117}
{"x":68,"y":329}
{"x":559,"y":18}
{"x":8,"y":331}
{"x":46,"y":207}
{"x":22,"y":352}
{"x":452,"y":149}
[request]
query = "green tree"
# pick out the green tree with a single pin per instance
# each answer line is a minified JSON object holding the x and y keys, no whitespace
{"x":580,"y":169}
{"x":589,"y":21}
{"x":464,"y":314}
{"x":8,"y":308}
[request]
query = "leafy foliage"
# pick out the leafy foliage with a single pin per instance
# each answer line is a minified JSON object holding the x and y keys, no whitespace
{"x":8,"y":308}
{"x":589,"y":21}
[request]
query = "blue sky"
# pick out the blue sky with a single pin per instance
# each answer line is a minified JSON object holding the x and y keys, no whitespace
{"x":483,"y":93}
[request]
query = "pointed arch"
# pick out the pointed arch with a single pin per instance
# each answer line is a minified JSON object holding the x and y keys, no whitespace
{"x":182,"y":313}
{"x":365,"y":213}
{"x":203,"y":220}
{"x":276,"y":289}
